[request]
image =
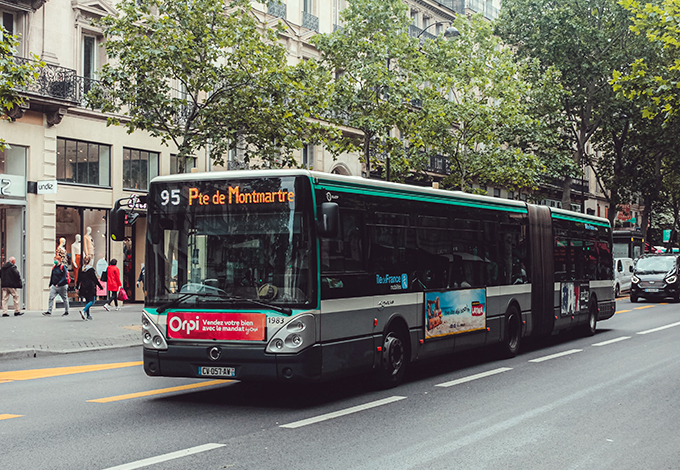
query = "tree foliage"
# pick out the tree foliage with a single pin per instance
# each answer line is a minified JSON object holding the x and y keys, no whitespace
{"x":654,"y":79}
{"x":478,"y":110}
{"x":585,"y":42}
{"x":14,"y":75}
{"x":373,"y":59}
{"x":207,"y":74}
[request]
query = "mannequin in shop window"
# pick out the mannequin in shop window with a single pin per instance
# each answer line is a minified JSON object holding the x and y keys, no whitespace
{"x":89,"y":244}
{"x":75,"y":256}
{"x":61,"y":250}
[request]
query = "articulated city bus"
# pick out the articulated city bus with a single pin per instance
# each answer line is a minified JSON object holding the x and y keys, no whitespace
{"x":304,"y":276}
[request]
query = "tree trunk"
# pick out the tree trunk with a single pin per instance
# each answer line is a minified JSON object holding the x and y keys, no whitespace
{"x":367,"y":154}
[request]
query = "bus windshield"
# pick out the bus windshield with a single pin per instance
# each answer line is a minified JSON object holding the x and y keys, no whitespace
{"x":228,"y":242}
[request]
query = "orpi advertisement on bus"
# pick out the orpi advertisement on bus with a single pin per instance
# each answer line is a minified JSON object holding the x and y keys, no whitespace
{"x":456,"y":311}
{"x":217,"y":326}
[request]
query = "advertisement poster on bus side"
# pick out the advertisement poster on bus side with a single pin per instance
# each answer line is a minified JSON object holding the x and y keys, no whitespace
{"x":453,"y":312}
{"x":217,"y":326}
{"x":574,"y":298}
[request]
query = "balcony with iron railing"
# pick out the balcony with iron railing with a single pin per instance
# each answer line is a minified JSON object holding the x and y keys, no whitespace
{"x":277,"y":9}
{"x":59,"y":84}
{"x":310,"y":21}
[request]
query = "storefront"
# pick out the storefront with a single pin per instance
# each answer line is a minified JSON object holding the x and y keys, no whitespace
{"x":82,"y":232}
{"x":13,"y":210}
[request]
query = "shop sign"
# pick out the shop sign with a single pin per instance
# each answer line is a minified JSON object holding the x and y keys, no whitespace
{"x":47,"y":187}
{"x":12,"y":186}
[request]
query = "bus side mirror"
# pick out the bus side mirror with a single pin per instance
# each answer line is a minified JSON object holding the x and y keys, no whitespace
{"x":329,"y":220}
{"x":117,"y":222}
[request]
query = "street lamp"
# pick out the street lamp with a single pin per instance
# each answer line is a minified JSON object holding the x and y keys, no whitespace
{"x":451,"y":31}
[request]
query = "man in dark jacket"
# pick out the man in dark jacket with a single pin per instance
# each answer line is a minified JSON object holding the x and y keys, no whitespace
{"x":11,"y":281}
{"x":58,"y":286}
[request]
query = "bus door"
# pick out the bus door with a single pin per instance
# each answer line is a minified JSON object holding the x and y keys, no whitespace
{"x":542,"y":270}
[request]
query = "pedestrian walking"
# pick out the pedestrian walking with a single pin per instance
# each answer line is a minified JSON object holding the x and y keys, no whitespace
{"x":86,"y":284}
{"x":141,"y":278}
{"x":11,"y":281}
{"x":58,"y":286}
{"x":112,"y":284}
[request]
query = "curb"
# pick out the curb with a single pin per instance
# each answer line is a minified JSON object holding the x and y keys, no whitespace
{"x":33,"y":352}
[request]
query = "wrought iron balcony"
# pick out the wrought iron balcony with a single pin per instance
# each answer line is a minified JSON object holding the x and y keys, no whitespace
{"x":439,"y":164}
{"x":310,"y":21}
{"x":236,"y":165}
{"x":277,"y":9}
{"x":58,"y":83}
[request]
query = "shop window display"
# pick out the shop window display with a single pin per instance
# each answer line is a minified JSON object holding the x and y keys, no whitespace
{"x":83,"y":232}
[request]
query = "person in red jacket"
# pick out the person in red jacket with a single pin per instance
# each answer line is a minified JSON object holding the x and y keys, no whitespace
{"x":112,"y":284}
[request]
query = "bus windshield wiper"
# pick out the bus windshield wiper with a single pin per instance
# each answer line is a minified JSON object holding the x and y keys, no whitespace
{"x":183,"y":297}
{"x":284,"y":310}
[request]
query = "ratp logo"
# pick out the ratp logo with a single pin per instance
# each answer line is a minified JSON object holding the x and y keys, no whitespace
{"x":404,"y":281}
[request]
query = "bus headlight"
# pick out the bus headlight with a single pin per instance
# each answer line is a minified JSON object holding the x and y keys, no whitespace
{"x":294,"y":336}
{"x":634,"y":279}
{"x":151,"y":335}
{"x":672,"y":279}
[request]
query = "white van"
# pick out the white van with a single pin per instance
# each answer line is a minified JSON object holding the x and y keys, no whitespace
{"x":623,"y":273}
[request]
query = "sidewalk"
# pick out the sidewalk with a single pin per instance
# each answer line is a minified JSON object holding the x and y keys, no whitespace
{"x":33,"y":335}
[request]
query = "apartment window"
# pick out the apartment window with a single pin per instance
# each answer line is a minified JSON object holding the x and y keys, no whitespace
{"x":496,"y":192}
{"x":511,"y":195}
{"x":307,"y":6}
{"x":426,"y":22}
{"x":8,"y":22}
{"x":308,"y":156}
{"x":83,"y":162}
{"x":414,"y":18}
{"x":139,"y":166}
{"x":189,"y":163}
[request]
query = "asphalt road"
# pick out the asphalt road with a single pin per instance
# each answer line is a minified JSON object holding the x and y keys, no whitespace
{"x":605,"y":402}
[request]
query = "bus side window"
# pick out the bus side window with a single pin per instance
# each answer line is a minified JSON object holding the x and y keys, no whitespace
{"x":344,"y":253}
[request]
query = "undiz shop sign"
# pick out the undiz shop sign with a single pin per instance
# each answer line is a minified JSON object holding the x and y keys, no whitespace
{"x":234,"y":195}
{"x":217,"y":326}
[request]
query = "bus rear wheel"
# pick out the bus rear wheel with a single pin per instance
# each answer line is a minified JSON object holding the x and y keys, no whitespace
{"x":394,"y":359}
{"x":512,"y":336}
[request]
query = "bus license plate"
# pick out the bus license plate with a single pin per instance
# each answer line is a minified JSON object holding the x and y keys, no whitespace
{"x":210,"y":371}
{"x":651,"y":290}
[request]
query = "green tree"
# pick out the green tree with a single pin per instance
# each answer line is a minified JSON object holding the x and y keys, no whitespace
{"x":585,"y":42}
{"x":373,"y":59}
{"x":207,"y":74}
{"x":654,"y":80}
{"x":477,"y":108}
{"x":14,"y":75}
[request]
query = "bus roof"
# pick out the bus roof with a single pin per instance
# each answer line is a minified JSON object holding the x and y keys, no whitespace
{"x":384,"y":188}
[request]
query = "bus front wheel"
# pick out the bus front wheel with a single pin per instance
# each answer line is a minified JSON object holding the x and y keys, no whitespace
{"x":512,"y":336}
{"x":394,"y":359}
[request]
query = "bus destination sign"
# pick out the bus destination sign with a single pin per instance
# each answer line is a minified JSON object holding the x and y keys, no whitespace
{"x":235,"y":196}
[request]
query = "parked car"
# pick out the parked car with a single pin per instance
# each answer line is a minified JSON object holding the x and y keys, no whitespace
{"x":623,"y":274}
{"x":655,"y":277}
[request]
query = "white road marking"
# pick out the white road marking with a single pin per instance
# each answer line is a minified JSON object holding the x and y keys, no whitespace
{"x":553,"y":356}
{"x":474,"y":377}
{"x":654,"y":330}
{"x":615,"y":340}
{"x":166,"y":457}
{"x":335,"y":414}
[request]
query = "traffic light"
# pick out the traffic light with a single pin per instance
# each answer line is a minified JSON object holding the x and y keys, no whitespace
{"x":117,"y":222}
